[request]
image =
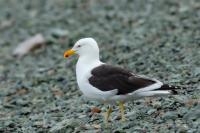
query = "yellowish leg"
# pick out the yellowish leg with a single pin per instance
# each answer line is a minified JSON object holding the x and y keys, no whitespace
{"x":107,"y":114}
{"x":121,"y":107}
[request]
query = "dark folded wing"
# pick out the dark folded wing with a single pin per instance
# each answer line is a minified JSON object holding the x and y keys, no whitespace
{"x":107,"y":78}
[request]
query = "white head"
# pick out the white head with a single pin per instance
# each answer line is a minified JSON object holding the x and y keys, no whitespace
{"x":84,"y":47}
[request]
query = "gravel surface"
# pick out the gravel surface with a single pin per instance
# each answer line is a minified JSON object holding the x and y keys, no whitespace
{"x":161,"y":39}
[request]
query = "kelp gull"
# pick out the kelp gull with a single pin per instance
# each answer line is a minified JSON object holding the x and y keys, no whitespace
{"x":107,"y":83}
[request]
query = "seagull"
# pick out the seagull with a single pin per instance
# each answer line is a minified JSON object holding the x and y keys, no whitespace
{"x":111,"y":84}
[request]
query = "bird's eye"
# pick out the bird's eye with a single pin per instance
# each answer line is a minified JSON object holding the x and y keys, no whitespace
{"x":79,"y":46}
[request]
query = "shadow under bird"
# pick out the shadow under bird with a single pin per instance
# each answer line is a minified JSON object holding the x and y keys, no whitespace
{"x":110,"y":84}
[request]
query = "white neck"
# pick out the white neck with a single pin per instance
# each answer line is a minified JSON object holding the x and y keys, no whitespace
{"x":86,"y":63}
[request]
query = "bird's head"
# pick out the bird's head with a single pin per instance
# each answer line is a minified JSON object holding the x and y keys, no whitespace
{"x":83,"y":47}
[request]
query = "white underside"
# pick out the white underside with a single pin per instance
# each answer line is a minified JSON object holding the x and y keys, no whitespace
{"x":83,"y":72}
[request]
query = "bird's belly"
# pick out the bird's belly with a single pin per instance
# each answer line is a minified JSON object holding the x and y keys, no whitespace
{"x":93,"y":93}
{"x":86,"y":89}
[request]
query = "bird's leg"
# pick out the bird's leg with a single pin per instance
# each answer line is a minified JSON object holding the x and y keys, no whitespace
{"x":121,"y":106}
{"x":107,"y":114}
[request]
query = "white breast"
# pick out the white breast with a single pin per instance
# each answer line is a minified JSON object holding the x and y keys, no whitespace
{"x":83,"y":73}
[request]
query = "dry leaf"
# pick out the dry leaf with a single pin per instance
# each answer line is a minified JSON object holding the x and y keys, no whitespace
{"x":28,"y":45}
{"x":95,"y":110}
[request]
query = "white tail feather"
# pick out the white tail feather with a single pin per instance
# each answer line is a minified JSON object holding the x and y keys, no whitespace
{"x":153,"y":93}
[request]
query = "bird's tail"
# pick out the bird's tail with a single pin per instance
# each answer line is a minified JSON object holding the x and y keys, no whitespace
{"x":169,"y":88}
{"x":163,"y":90}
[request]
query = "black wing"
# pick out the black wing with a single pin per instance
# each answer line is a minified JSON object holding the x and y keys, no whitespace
{"x":107,"y":78}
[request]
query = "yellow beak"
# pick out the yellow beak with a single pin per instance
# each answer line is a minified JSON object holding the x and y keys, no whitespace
{"x":69,"y":53}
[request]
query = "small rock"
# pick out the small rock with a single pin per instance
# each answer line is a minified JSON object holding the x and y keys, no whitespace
{"x":97,"y":126}
{"x":183,"y":9}
{"x":156,"y":104}
{"x":10,"y":124}
{"x":193,"y":113}
{"x":151,"y":111}
{"x":183,"y":129}
{"x":170,"y":115}
{"x":59,"y":32}
{"x":70,"y":123}
{"x":82,"y":116}
{"x":197,"y":71}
